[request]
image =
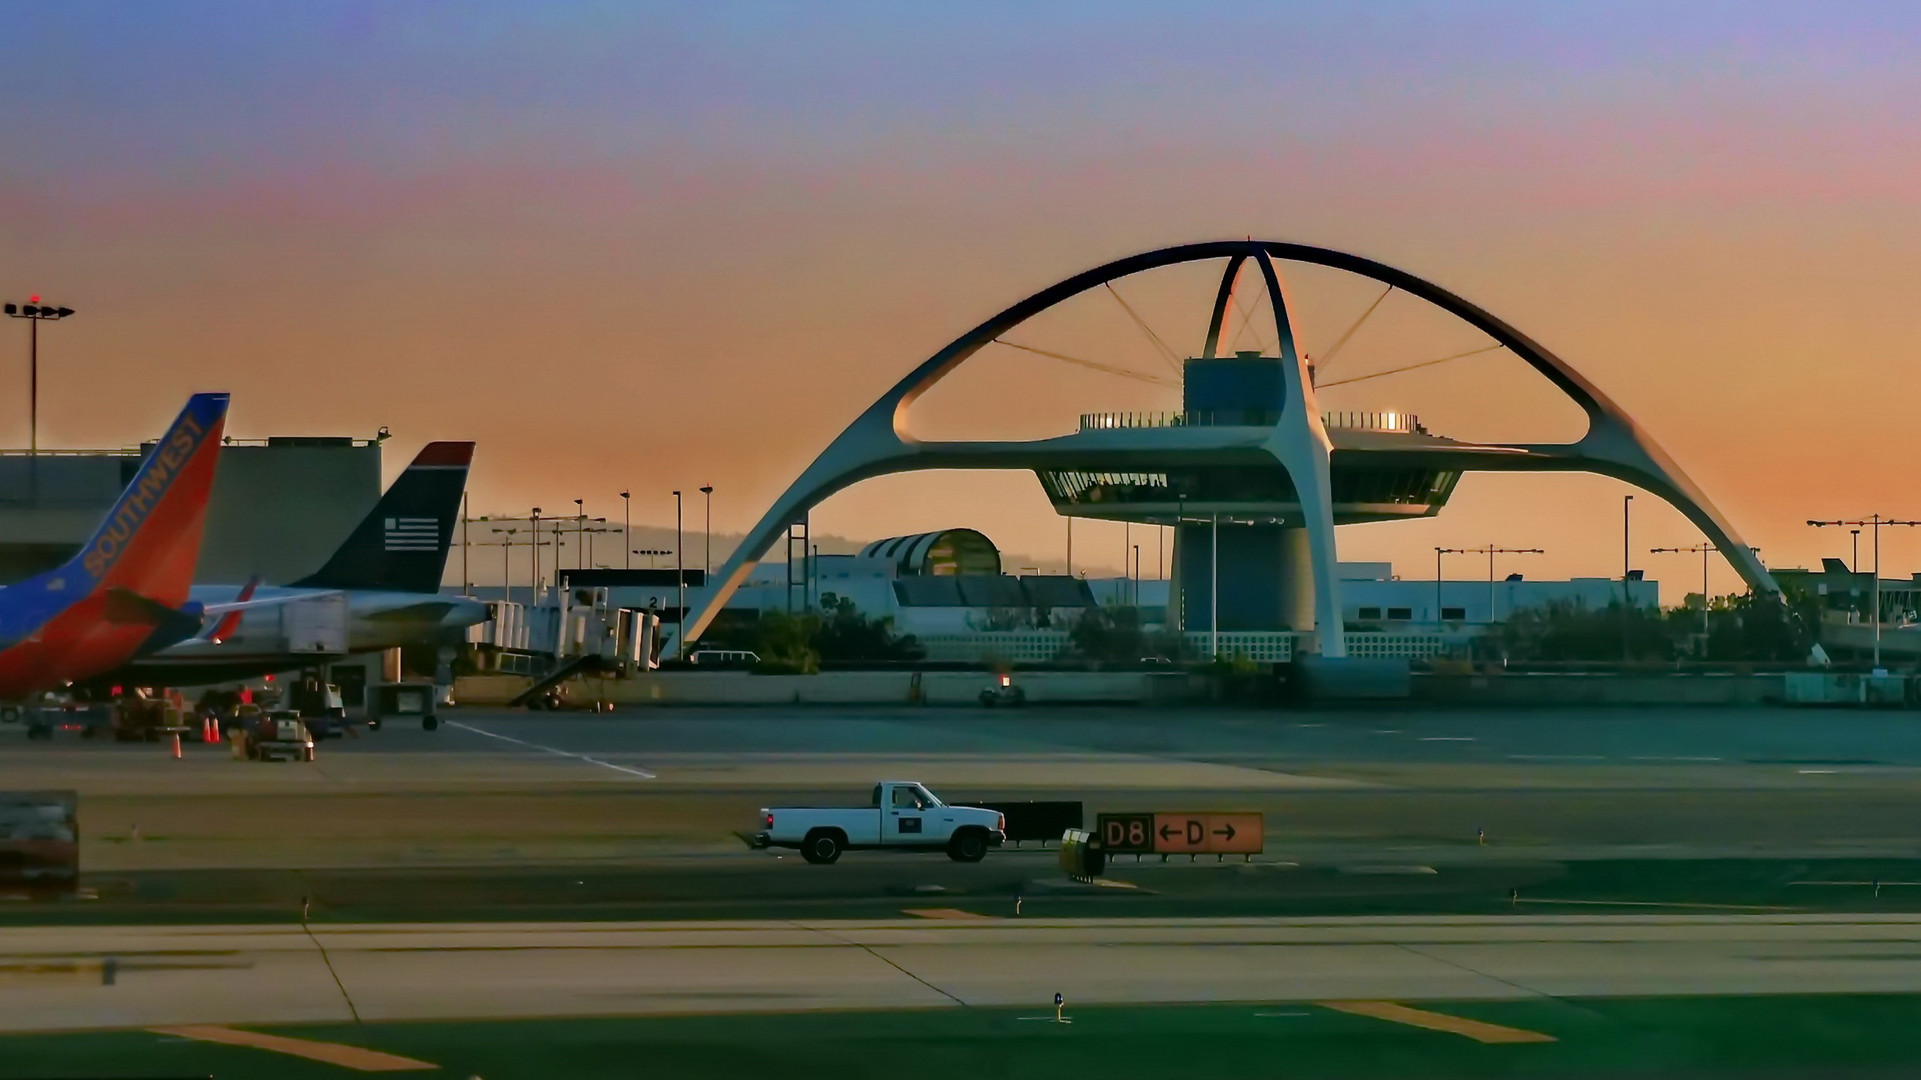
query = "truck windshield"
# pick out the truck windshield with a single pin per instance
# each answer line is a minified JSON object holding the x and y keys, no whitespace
{"x":927,"y":797}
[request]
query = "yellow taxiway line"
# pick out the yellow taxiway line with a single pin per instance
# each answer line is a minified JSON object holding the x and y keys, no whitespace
{"x":1479,"y":1031}
{"x":349,"y":1057}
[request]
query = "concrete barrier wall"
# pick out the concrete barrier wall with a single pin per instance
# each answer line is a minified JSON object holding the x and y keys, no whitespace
{"x":848,"y":688}
{"x":1576,"y":689}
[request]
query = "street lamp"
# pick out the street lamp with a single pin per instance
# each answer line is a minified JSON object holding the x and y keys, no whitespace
{"x":707,"y":555}
{"x":627,"y":526}
{"x":35,"y":313}
{"x":1874,"y":521}
{"x":1854,"y":564}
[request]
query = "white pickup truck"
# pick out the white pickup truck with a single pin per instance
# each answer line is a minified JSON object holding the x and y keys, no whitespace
{"x":901,"y":816}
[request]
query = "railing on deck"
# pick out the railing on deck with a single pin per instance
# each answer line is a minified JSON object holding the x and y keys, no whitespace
{"x":1344,"y":421}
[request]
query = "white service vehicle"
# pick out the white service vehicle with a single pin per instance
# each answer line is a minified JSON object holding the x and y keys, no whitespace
{"x":901,"y":816}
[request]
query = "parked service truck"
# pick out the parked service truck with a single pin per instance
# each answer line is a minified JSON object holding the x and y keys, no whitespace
{"x":901,"y":815}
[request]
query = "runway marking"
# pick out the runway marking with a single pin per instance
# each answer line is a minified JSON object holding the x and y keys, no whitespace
{"x":1673,"y":757}
{"x":1815,"y":772}
{"x":1557,"y":757}
{"x":642,"y":773}
{"x":942,"y":913}
{"x":1447,"y":738}
{"x":1659,"y":904}
{"x":1478,"y":1030}
{"x":347,"y":1057}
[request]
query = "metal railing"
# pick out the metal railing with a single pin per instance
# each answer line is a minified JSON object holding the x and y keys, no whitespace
{"x":1344,"y":421}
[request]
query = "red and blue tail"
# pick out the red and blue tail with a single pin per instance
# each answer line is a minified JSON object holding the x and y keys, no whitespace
{"x":150,"y":540}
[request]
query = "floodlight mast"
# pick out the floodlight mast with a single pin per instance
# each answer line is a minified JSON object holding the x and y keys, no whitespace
{"x":1875,"y":522}
{"x":35,"y":313}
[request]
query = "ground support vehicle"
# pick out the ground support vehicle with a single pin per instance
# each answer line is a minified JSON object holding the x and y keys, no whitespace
{"x":280,"y":735}
{"x":901,"y":816}
{"x":1002,"y":691}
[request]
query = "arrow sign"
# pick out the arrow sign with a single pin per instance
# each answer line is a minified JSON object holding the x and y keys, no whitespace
{"x":1168,"y":832}
{"x":1226,"y":830}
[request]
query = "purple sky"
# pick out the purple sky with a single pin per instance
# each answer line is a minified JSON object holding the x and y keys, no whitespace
{"x":656,"y":246}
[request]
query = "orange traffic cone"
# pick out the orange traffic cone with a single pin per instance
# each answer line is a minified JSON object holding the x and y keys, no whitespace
{"x":176,"y":745}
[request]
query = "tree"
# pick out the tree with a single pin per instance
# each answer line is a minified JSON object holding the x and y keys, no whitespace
{"x":847,"y":635}
{"x":1111,"y":634}
{"x":785,"y":643}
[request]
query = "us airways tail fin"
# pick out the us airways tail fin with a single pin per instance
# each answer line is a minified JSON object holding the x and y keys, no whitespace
{"x":402,"y":545}
{"x":148,"y":543}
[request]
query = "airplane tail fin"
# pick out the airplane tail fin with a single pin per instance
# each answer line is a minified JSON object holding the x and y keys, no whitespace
{"x":402,"y":544}
{"x":148,"y":543}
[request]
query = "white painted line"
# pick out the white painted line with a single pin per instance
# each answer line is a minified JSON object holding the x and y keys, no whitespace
{"x":1815,"y":772}
{"x":642,"y":773}
{"x":1556,"y":757}
{"x":1672,"y":757}
{"x":1447,"y":738}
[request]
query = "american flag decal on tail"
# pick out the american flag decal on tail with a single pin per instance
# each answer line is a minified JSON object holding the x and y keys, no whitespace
{"x":412,"y":534}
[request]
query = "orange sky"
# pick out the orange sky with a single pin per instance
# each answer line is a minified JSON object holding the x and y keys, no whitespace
{"x":660,"y":247}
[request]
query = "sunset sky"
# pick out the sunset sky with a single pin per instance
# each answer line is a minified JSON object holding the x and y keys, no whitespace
{"x":655,"y":246}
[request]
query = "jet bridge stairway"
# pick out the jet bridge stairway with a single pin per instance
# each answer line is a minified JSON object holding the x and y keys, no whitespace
{"x":541,"y":693}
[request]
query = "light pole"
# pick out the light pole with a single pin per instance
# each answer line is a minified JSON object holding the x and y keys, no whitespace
{"x":1214,"y":586}
{"x":680,"y":583}
{"x":707,"y":556}
{"x":580,"y":534}
{"x":466,"y":575}
{"x":506,"y":555}
{"x":1070,"y":545}
{"x":534,"y":597}
{"x":627,"y":526}
{"x":1627,"y":572}
{"x":1702,"y":549}
{"x":35,"y":313}
{"x":1854,"y":564}
{"x":1875,"y":522}
{"x":1438,"y":552}
{"x":1137,"y":575}
{"x":650,"y":553}
{"x":1490,"y":551}
{"x":594,"y":525}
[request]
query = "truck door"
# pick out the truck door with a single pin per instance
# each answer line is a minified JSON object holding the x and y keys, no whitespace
{"x":903,"y":820}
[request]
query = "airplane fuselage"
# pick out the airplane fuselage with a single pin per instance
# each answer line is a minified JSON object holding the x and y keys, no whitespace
{"x":373,"y":620}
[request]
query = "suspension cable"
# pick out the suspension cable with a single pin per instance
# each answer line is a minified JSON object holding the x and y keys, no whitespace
{"x":1410,"y":367}
{"x":1247,"y":323}
{"x":1341,"y":342}
{"x":1173,"y":358}
{"x":1108,"y":368}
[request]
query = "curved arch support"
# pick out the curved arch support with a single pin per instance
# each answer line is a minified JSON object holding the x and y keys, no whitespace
{"x":881,"y":441}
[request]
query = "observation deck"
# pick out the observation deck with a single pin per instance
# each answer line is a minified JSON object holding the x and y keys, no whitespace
{"x":1365,"y":487}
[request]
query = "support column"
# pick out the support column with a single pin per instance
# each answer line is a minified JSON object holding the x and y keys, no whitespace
{"x":1297,"y":579}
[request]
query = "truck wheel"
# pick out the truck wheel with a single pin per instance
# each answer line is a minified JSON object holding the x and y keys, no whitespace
{"x":987,"y":699}
{"x":968,"y":845}
{"x":821,"y":847}
{"x":429,"y":723}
